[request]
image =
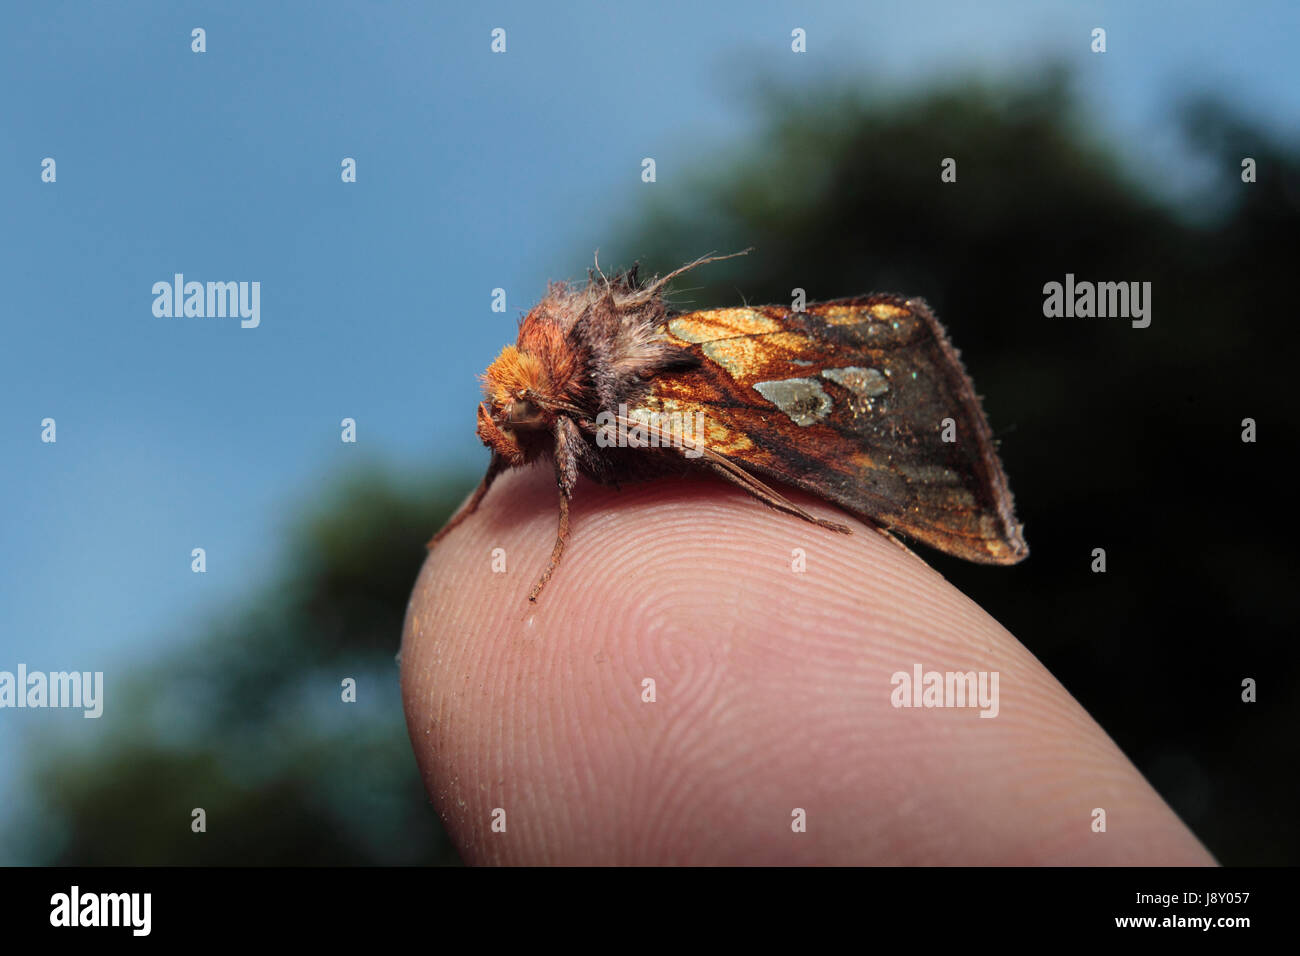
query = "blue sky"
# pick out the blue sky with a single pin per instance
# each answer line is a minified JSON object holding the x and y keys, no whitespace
{"x":475,"y":171}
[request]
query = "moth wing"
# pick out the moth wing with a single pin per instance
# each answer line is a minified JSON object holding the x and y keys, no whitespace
{"x":861,"y":401}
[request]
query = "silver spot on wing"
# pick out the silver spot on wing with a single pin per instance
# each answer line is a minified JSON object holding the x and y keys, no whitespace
{"x":803,"y":399}
{"x":864,"y":382}
{"x":930,"y":474}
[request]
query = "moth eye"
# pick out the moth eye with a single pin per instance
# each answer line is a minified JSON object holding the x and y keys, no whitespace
{"x":523,"y":413}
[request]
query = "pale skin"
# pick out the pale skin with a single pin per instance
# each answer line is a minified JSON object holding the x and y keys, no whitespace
{"x":773,"y":694}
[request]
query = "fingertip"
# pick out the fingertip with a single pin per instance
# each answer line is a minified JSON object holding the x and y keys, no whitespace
{"x":773,"y":646}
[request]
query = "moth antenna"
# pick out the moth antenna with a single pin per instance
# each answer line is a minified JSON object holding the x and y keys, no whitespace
{"x":599,"y":273}
{"x":701,"y":261}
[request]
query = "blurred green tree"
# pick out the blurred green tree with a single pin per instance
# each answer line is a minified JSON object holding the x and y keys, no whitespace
{"x":247,"y":722}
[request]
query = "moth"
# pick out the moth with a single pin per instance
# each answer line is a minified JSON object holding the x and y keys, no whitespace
{"x":861,"y":401}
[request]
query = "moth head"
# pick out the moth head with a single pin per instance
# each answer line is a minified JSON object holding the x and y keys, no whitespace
{"x":513,"y":386}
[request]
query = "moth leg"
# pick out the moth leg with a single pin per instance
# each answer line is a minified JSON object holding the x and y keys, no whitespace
{"x":567,"y":439}
{"x":495,"y":467}
{"x":889,"y":536}
{"x":737,"y":475}
{"x":728,"y":469}
{"x":557,"y":552}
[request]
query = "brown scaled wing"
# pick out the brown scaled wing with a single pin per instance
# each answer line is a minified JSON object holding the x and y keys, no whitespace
{"x":848,"y":400}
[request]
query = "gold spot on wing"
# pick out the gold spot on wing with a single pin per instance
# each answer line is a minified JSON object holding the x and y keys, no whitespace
{"x":746,"y":358}
{"x":857,"y":314}
{"x":844,"y":315}
{"x":717,"y":436}
{"x":714,"y":324}
{"x":887,"y":313}
{"x":724,"y":440}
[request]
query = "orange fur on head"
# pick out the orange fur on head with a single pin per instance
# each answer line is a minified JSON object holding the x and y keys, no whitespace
{"x":543,"y":362}
{"x":542,"y":336}
{"x":512,"y":372}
